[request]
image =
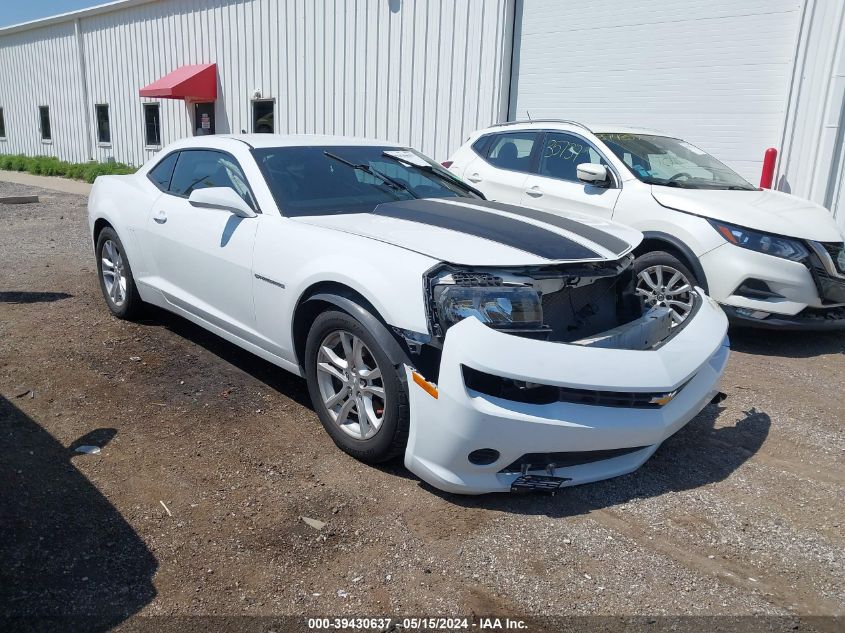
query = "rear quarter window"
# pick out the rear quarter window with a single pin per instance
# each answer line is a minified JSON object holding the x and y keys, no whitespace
{"x":161,"y":174}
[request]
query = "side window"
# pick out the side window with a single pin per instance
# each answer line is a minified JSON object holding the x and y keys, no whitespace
{"x":199,"y":169}
{"x":44,"y":120}
{"x":262,"y":116}
{"x":163,"y":172}
{"x":152,"y":125}
{"x":562,"y":153}
{"x":512,"y":150}
{"x":103,"y":125}
{"x":2,"y":125}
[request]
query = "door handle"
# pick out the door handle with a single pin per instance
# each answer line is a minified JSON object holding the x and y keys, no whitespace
{"x":474,"y":178}
{"x":534,"y":192}
{"x":160,"y":217}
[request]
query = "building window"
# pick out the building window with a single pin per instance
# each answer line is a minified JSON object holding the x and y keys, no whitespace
{"x":152,"y":125}
{"x":2,"y":124}
{"x":262,"y":116}
{"x":44,"y":116}
{"x":103,"y":126}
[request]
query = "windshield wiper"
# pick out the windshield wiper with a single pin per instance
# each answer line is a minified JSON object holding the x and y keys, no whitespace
{"x":429,"y":169}
{"x":390,"y":182}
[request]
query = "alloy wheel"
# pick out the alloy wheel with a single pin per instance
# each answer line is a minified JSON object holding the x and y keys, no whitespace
{"x":350,"y":384}
{"x":662,"y":285}
{"x":114,"y":273}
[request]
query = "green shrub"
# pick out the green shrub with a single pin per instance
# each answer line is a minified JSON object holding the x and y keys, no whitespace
{"x":51,"y":166}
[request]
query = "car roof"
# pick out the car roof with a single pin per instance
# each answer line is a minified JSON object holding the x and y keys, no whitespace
{"x":286,"y":140}
{"x":563,"y":124}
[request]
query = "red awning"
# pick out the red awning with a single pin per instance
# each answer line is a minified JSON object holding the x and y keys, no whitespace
{"x":195,"y":83}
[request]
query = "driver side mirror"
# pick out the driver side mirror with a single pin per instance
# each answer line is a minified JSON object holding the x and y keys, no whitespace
{"x":593,"y":174}
{"x":223,"y":198}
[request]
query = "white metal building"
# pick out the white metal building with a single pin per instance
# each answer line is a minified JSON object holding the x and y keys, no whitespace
{"x":732,"y":76}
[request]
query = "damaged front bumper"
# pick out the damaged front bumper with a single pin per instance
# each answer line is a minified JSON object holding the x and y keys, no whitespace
{"x":597,"y":413}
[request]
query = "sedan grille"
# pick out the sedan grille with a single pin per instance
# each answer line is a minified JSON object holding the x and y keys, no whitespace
{"x":531,"y":393}
{"x":542,"y":461}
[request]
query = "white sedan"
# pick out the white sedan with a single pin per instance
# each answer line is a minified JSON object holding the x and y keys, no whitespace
{"x":497,"y":347}
{"x":771,"y":259}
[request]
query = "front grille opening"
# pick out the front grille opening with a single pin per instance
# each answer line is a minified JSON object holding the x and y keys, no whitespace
{"x":756,"y":289}
{"x":483,"y":456}
{"x":533,"y":393}
{"x":545,"y":461}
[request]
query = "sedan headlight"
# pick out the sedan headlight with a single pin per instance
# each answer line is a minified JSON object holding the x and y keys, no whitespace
{"x":775,"y":245}
{"x":498,"y":306}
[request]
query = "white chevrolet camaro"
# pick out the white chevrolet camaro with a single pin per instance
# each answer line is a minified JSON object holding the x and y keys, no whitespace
{"x":497,"y":347}
{"x":771,"y":259}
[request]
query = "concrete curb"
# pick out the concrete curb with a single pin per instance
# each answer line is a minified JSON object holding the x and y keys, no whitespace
{"x":46,"y":182}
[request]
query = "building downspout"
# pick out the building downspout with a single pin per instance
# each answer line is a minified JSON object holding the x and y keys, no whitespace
{"x":83,"y":73}
{"x":509,"y":100}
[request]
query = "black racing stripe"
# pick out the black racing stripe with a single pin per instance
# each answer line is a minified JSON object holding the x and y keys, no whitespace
{"x":597,"y":236}
{"x":488,"y":225}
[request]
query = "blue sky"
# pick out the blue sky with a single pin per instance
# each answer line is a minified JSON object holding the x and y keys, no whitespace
{"x":16,"y":11}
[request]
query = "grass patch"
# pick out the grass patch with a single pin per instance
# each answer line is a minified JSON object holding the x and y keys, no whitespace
{"x":50,"y":166}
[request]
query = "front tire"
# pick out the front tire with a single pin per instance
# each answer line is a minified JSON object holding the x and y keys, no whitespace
{"x":359,"y":395}
{"x":115,"y":275}
{"x":663,"y":280}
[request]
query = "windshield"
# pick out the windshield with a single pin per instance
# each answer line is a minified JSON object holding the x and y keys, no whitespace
{"x":328,"y":180}
{"x":660,"y":160}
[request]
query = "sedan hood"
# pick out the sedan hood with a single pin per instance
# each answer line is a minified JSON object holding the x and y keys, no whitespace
{"x":484,"y":233}
{"x":764,"y":210}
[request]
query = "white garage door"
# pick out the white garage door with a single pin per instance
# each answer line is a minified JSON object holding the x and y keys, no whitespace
{"x":715,"y":72}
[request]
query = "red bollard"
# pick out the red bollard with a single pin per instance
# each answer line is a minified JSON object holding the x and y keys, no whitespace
{"x":768,"y":174}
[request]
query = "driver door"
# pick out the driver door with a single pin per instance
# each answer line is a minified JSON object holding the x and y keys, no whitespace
{"x":555,"y":185}
{"x":203,"y":257}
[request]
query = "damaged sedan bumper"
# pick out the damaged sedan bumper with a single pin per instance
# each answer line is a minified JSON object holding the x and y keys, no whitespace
{"x":508,"y":410}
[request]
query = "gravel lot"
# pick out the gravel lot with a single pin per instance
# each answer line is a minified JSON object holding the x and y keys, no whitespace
{"x":195,"y":505}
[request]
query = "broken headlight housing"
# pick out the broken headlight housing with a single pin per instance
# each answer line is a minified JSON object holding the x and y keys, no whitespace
{"x":485,"y":296}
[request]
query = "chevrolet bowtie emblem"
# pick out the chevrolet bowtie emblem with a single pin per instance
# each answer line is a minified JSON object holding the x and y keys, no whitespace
{"x":664,"y":399}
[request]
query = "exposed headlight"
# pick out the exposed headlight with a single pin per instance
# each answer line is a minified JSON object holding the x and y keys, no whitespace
{"x":497,"y":306}
{"x":761,"y":242}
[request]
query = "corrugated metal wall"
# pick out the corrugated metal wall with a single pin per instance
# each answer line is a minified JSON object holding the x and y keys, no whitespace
{"x":715,"y":72}
{"x":423,"y":72}
{"x":40,"y":68}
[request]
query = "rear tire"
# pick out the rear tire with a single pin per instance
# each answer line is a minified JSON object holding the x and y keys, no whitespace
{"x":664,"y":280}
{"x":115,"y":274}
{"x":348,"y":371}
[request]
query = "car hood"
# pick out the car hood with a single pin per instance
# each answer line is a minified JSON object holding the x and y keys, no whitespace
{"x":485,"y":233}
{"x":764,"y":210}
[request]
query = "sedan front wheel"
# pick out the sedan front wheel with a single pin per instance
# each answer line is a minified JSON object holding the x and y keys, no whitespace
{"x":359,"y":395}
{"x":663,"y":280}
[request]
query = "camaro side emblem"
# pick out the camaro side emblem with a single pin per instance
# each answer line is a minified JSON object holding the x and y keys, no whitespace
{"x":270,"y":281}
{"x":663,"y":400}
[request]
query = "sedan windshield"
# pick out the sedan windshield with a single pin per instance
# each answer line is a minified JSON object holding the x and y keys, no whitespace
{"x":671,"y":162}
{"x":328,"y":180}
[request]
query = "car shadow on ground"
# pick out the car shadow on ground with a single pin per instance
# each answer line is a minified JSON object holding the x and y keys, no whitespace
{"x":70,"y":561}
{"x":32,"y":297}
{"x":787,"y":344}
{"x":697,"y":455}
{"x":274,"y":377}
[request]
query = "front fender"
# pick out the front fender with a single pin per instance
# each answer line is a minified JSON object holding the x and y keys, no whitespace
{"x":376,"y":327}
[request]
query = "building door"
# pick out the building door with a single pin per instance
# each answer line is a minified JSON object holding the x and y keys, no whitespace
{"x":203,"y":119}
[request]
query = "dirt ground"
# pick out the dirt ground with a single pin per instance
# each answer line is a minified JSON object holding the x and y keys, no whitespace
{"x":195,"y":504}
